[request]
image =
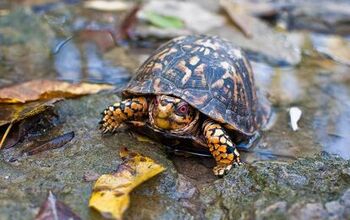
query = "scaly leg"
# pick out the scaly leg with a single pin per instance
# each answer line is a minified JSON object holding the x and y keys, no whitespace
{"x":127,"y":110}
{"x":221,"y":147}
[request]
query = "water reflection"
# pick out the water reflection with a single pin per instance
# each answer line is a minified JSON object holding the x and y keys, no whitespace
{"x":86,"y":63}
{"x":332,"y":119}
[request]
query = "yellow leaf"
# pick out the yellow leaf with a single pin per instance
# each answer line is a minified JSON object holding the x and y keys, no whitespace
{"x":47,"y":89}
{"x":111,"y":191}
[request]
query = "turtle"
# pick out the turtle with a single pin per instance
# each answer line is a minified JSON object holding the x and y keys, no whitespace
{"x":196,"y":91}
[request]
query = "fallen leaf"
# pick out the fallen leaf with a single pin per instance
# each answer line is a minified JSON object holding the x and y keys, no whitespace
{"x":17,"y":112}
{"x":238,"y":16}
{"x":11,"y":114}
{"x":163,"y":21}
{"x":194,"y":17}
{"x":47,"y":89}
{"x":295,"y":115}
{"x":129,"y":21}
{"x":53,"y":209}
{"x":57,"y":142}
{"x":108,"y":5}
{"x":111,"y":191}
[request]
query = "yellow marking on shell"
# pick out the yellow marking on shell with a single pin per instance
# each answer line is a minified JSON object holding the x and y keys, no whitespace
{"x":187,"y":46}
{"x":218,"y":83}
{"x":225,"y":65}
{"x":157,"y":66}
{"x":156,"y":85}
{"x":207,"y":43}
{"x":206,"y":51}
{"x":199,"y":69}
{"x":182,"y":66}
{"x":194,"y":60}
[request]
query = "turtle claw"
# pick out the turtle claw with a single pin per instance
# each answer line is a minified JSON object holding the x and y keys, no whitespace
{"x":221,"y":169}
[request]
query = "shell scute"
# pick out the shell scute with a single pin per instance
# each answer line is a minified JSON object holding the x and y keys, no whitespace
{"x":209,"y":73}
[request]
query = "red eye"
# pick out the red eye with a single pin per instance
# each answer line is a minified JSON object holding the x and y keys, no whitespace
{"x":182,"y":109}
{"x":155,"y":101}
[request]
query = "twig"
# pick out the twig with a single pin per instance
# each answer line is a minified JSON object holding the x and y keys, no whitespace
{"x":5,"y":135}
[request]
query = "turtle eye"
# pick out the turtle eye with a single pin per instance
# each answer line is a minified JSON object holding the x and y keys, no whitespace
{"x":155,"y":101}
{"x":183,"y":109}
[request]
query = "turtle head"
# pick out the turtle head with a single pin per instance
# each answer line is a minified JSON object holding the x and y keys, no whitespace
{"x":172,"y":114}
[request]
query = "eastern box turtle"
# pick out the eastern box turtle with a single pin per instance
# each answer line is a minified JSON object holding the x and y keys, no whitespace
{"x":194,"y":89}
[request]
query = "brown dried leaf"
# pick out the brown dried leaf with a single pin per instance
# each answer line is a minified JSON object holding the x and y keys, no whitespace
{"x":52,"y":209}
{"x":111,"y":191}
{"x":239,"y":17}
{"x":47,"y":89}
{"x":11,"y":114}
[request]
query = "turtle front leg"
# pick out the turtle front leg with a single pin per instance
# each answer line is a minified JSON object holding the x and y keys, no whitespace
{"x":221,"y":147}
{"x":113,"y":116}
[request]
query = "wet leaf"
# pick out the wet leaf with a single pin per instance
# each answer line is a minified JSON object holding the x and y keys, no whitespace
{"x":47,"y":89}
{"x":53,"y":209}
{"x":54,"y":143}
{"x":17,"y":112}
{"x":107,"y":5}
{"x":111,"y":191}
{"x":11,"y":114}
{"x":163,"y":21}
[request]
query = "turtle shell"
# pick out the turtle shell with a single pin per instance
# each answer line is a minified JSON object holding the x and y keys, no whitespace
{"x":209,"y":73}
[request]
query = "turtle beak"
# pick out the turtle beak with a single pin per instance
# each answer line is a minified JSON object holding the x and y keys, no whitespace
{"x":162,"y":113}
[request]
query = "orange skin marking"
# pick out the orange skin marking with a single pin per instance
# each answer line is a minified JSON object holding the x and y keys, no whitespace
{"x":220,"y":145}
{"x":128,"y":109}
{"x":174,"y":115}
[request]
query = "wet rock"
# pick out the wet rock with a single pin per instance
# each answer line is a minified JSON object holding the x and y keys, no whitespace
{"x":346,"y":173}
{"x":185,"y":188}
{"x":300,"y":211}
{"x":345,"y":199}
{"x":265,"y":44}
{"x":335,"y":210}
{"x":316,"y":15}
{"x":274,"y":209}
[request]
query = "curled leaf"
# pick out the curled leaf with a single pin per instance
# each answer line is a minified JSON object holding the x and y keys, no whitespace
{"x":111,"y":191}
{"x":53,"y":209}
{"x":11,"y":114}
{"x":47,"y":89}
